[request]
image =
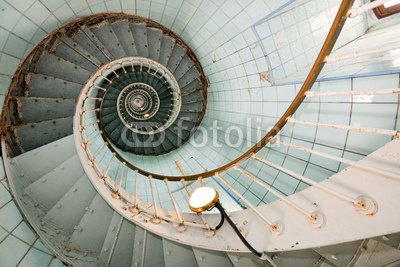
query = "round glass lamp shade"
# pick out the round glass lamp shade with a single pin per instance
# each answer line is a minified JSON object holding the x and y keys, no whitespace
{"x":203,"y":199}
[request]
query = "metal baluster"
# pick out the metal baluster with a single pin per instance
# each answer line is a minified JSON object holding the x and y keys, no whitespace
{"x":275,"y":228}
{"x":370,"y":92}
{"x":367,"y":130}
{"x":346,"y":161}
{"x":354,"y":12}
{"x":155,"y":219}
{"x":85,"y":111}
{"x":116,"y":194}
{"x":103,"y":179}
{"x":98,"y":154}
{"x":181,"y":228}
{"x":84,"y":145}
{"x":135,"y":209}
{"x":316,"y":219}
{"x":81,"y":128}
{"x":98,"y":87}
{"x":364,"y":204}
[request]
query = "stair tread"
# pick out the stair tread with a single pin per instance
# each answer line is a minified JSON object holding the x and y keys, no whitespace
{"x":33,"y":164}
{"x":72,"y":205}
{"x":87,"y":238}
{"x":79,"y":49}
{"x":84,"y":41}
{"x":122,"y":30}
{"x":51,"y":187}
{"x":41,"y":85}
{"x":96,"y":41}
{"x":65,"y":51}
{"x":36,"y":109}
{"x":31,"y":135}
{"x":154,"y":37}
{"x":178,"y":53}
{"x":139,"y":33}
{"x":166,"y":48}
{"x":124,"y":245}
{"x":53,"y":65}
{"x":108,"y":38}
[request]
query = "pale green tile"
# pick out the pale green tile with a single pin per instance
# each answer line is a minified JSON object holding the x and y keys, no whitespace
{"x":25,"y":233}
{"x":15,"y":46}
{"x":12,"y":246}
{"x":8,"y":64}
{"x":8,"y":16}
{"x":35,"y":257}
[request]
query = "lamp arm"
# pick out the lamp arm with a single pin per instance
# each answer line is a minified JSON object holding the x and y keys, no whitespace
{"x":225,"y":215}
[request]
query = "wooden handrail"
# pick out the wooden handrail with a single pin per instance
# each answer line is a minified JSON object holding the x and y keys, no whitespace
{"x":326,"y":49}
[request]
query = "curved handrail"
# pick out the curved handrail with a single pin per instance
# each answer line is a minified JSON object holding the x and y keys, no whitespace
{"x":326,"y":49}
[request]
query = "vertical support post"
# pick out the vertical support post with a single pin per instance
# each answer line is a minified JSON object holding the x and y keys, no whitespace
{"x":155,"y":219}
{"x":116,"y":194}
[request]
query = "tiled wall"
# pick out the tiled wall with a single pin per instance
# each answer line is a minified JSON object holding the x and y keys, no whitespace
{"x":293,"y":37}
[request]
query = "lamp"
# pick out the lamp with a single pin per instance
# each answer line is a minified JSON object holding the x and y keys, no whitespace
{"x":205,"y":198}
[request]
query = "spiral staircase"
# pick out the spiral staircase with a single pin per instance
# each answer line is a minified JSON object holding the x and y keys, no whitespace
{"x":104,"y":90}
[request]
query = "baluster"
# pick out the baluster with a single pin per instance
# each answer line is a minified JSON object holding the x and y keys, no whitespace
{"x":155,"y":219}
{"x":367,"y":130}
{"x":275,"y":228}
{"x":364,"y":204}
{"x":181,"y":228}
{"x":316,"y":219}
{"x":116,"y":194}
{"x":84,"y":145}
{"x":103,"y":179}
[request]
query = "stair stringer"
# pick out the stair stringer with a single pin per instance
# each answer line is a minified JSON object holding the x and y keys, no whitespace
{"x":343,"y":222}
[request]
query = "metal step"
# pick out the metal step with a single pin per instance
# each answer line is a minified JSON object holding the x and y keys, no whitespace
{"x":76,"y":57}
{"x":154,"y":37}
{"x":37,"y":134}
{"x":53,"y":65}
{"x":40,"y":85}
{"x":95,"y":41}
{"x":89,"y":235}
{"x":49,"y":188}
{"x":80,"y":50}
{"x":121,"y":255}
{"x":39,"y":162}
{"x":178,"y":254}
{"x":207,"y":258}
{"x":84,"y":41}
{"x":114,"y":229}
{"x":167,"y":43}
{"x":123,"y":32}
{"x":71,"y":206}
{"x":178,"y":53}
{"x":36,"y":109}
{"x":139,"y":32}
{"x":109,"y":39}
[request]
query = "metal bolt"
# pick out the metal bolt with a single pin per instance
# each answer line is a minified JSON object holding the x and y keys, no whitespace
{"x":106,"y":249}
{"x":201,"y":258}
{"x":139,"y":243}
{"x":168,"y":253}
{"x":59,"y":206}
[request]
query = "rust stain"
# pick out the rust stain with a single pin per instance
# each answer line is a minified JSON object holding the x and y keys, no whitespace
{"x":180,"y":168}
{"x":265,"y":76}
